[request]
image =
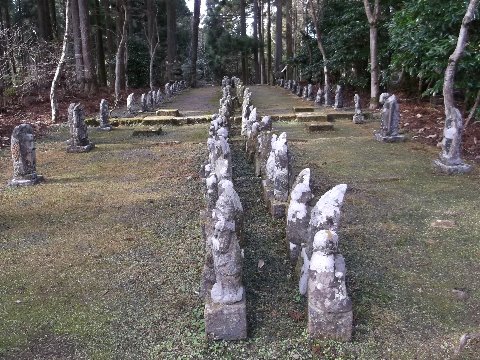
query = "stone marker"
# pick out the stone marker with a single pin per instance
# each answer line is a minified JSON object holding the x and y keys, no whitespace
{"x":330,"y":313}
{"x":390,"y":122}
{"x":338,"y":97}
{"x":299,"y":90}
{"x":326,"y":95}
{"x":305,"y":92}
{"x":78,"y":130}
{"x":450,"y":158}
{"x":298,"y":214}
{"x":104,"y":116}
{"x":23,"y":156}
{"x":320,"y":126}
{"x":144,"y":102}
{"x":319,"y":97}
{"x":358,"y":117}
{"x":130,"y":101}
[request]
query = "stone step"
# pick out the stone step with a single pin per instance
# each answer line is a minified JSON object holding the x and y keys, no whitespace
{"x":147,"y":132}
{"x":168,"y":112}
{"x":303,"y":109}
{"x":311,"y":116}
{"x":320,"y":126}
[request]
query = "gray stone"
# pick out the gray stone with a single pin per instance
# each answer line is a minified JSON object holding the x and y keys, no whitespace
{"x":326,"y":95}
{"x":390,"y":122}
{"x":24,"y":157}
{"x":338,"y":97}
{"x":298,"y":215}
{"x":226,"y":321}
{"x":130,"y":103}
{"x":104,"y":116}
{"x":450,"y":158}
{"x":264,"y":146}
{"x":305,"y":92}
{"x":79,"y":141}
{"x":319,"y":97}
{"x":299,"y":90}
{"x":144,"y":102}
{"x":358,"y":117}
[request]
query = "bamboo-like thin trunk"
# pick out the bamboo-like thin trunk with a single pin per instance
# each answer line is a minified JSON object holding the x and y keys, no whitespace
{"x":120,"y":58}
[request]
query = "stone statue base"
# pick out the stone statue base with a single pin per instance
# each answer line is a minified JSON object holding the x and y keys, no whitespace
{"x":26,"y":182}
{"x":80,"y":149}
{"x":267,"y":193}
{"x":451,"y":169}
{"x":226,"y":321}
{"x":390,"y":139}
{"x":328,"y":325}
{"x":358,"y":119}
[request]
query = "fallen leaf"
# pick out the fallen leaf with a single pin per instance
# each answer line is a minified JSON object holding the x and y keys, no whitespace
{"x":261,"y":263}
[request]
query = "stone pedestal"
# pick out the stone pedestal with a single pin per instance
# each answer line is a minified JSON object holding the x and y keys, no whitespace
{"x":278,"y":209}
{"x":390,"y":139}
{"x":32,"y":180}
{"x":267,"y":193}
{"x":226,"y":321}
{"x":326,"y":325}
{"x":452,"y":169}
{"x":358,"y":119}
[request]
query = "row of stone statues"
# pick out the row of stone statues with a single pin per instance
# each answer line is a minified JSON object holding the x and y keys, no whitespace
{"x":151,"y":100}
{"x":222,"y":228}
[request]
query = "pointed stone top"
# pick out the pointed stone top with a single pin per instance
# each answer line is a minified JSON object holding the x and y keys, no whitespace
{"x":326,"y":212}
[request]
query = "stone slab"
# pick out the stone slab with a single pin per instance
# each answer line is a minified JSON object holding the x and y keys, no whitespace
{"x":329,"y":326}
{"x":147,"y":132}
{"x":168,"y":112}
{"x":80,"y":149}
{"x":306,"y":117}
{"x":303,"y":109}
{"x":26,"y":182}
{"x":225,"y":322}
{"x":390,"y":139}
{"x":320,"y":126}
{"x":278,"y":209}
{"x":126,"y":121}
{"x":452,"y":169}
{"x":343,"y":115}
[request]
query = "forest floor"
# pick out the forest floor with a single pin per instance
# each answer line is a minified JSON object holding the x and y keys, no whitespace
{"x":104,"y":259}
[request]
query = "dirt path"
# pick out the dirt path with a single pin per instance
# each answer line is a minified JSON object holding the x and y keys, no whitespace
{"x":198,"y":101}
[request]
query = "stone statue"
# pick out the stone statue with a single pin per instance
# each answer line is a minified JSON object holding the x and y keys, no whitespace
{"x":330,"y":313}
{"x":358,"y":117}
{"x":326,"y":95}
{"x":281,"y":179}
{"x":144,"y":102}
{"x":339,"y":97}
{"x":298,"y":214}
{"x":130,"y":104}
{"x":23,"y":156}
{"x":305,"y":92}
{"x":311,"y":95}
{"x":104,"y":116}
{"x":390,"y":121}
{"x":319,"y":97}
{"x":79,"y":141}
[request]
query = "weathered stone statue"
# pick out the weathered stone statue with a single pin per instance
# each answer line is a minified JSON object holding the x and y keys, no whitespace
{"x":24,"y":158}
{"x":264,"y":147}
{"x":390,"y":122}
{"x":144,"y":102}
{"x":225,"y":310}
{"x":358,"y":117}
{"x":130,"y":104}
{"x":339,"y":97}
{"x":319,"y":97}
{"x":79,"y":141}
{"x":305,"y":92}
{"x":294,"y":86}
{"x":450,"y":158}
{"x":298,"y":214}
{"x":299,"y":90}
{"x":311,"y":94}
{"x":104,"y":116}
{"x":168,"y":91}
{"x":325,"y":215}
{"x":330,"y":313}
{"x":326,"y":95}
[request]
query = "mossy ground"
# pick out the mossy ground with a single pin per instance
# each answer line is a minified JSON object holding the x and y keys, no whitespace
{"x":104,"y":259}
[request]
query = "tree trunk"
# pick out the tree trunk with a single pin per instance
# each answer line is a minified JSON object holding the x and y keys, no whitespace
{"x":120,"y":58}
{"x":256,"y":61}
{"x":322,"y":51}
{"x":195,"y":25}
{"x":278,"y":38}
{"x":44,"y":22}
{"x":473,"y":109}
{"x":90,"y":78}
{"x":261,"y":47}
{"x":269,"y":43}
{"x":171,"y":39}
{"x":77,"y":44}
{"x":152,"y":38}
{"x":243,"y":33}
{"x":53,"y":17}
{"x":61,"y":62}
{"x":101,"y":70}
{"x":109,"y":31}
{"x":289,"y":37}
{"x":372,"y":17}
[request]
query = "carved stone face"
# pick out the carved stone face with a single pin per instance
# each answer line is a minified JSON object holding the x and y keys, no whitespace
{"x":23,"y":151}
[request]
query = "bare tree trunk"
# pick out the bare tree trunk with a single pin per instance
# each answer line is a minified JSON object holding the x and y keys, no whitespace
{"x":261,"y":48}
{"x":53,"y":17}
{"x":452,"y":140}
{"x":44,"y":22}
{"x":288,"y":35}
{"x":171,"y":38}
{"x":90,"y":78}
{"x":151,"y":34}
{"x":61,"y":62}
{"x":322,"y":50}
{"x":473,"y":109}
{"x":373,"y":17}
{"x":77,"y":44}
{"x":194,"y":55}
{"x":278,"y":37}
{"x":120,"y":58}
{"x":101,"y":70}
{"x":269,"y":43}
{"x":243,"y":33}
{"x":256,"y":58}
{"x":109,"y":31}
